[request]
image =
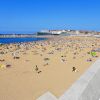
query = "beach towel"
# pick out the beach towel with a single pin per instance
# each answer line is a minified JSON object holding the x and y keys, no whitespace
{"x":93,"y":53}
{"x":2,"y":66}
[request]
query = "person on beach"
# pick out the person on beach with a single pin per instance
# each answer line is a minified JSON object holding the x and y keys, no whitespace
{"x":74,"y":69}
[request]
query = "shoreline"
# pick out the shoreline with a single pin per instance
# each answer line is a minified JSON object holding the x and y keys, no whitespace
{"x":50,"y":65}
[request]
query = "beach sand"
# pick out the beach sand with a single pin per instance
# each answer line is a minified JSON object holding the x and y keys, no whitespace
{"x":28,"y":70}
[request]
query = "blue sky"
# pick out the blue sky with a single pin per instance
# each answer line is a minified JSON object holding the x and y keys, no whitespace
{"x":35,"y":15}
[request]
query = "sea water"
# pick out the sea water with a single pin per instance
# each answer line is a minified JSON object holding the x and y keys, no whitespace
{"x":19,"y":40}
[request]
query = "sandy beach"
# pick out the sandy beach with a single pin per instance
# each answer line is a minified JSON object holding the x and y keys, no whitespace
{"x":27,"y":70}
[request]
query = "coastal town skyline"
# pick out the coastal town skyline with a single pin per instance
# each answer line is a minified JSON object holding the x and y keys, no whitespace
{"x":49,"y":50}
{"x":22,"y":16}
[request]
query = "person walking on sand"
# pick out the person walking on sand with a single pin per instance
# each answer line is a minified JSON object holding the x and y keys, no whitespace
{"x":14,"y":55}
{"x":74,"y":69}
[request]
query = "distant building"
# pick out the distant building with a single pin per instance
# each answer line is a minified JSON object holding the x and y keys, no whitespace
{"x":44,"y":32}
{"x":66,"y":32}
{"x":50,"y":32}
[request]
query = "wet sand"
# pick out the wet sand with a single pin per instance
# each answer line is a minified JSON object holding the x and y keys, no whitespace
{"x":28,"y":70}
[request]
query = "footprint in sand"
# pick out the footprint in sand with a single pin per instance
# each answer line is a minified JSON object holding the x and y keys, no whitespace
{"x":46,"y":64}
{"x":46,"y":59}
